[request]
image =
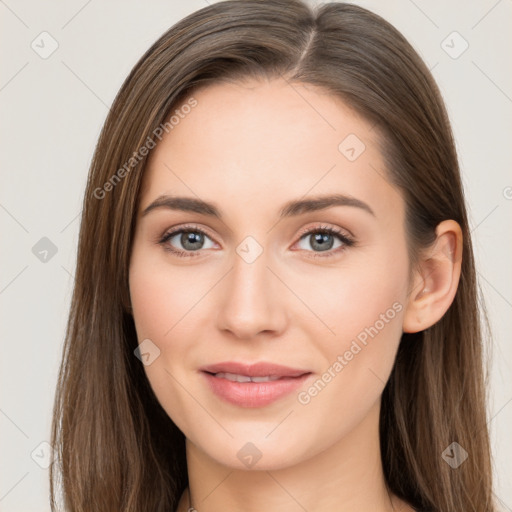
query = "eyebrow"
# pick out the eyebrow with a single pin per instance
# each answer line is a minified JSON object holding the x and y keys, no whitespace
{"x":290,"y":209}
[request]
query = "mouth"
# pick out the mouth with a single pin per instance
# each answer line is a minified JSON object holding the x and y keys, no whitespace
{"x":233,"y":377}
{"x":253,"y":385}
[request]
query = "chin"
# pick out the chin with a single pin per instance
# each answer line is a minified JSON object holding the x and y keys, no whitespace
{"x":254,"y":453}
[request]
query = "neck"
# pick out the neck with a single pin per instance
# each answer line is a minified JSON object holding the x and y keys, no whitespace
{"x":347,"y":477}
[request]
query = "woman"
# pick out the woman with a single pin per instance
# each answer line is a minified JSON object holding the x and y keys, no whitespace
{"x":275,"y":304}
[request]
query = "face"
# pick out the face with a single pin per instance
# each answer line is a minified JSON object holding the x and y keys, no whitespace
{"x":318,"y":287}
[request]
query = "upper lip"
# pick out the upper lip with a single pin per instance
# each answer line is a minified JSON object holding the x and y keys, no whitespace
{"x":260,"y":369}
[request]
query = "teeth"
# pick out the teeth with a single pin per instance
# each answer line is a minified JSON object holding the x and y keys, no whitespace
{"x":244,"y":378}
{"x":264,"y":379}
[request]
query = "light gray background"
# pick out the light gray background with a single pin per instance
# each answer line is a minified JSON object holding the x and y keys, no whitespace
{"x":52,"y":110}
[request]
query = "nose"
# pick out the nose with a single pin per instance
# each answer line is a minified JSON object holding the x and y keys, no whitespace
{"x":251,"y":300}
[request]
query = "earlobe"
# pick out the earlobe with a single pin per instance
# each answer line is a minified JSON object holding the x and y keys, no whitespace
{"x":436,"y":280}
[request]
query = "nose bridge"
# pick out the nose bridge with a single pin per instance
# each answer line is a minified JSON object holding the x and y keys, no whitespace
{"x":250,"y":301}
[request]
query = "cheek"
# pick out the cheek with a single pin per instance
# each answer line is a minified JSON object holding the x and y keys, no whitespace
{"x":163,"y":297}
{"x":168,"y":309}
{"x":363,"y":307}
{"x":365,"y":294}
{"x":369,"y":307}
{"x":157,"y":302}
{"x":365,"y":312}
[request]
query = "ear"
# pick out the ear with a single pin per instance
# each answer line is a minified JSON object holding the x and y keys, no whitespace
{"x":436,"y":279}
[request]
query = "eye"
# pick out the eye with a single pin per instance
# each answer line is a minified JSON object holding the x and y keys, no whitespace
{"x":190,"y":240}
{"x":323,"y":239}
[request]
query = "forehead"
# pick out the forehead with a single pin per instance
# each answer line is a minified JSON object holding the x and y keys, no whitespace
{"x":264,"y":142}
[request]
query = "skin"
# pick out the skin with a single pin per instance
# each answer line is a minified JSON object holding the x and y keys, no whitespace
{"x":249,"y":148}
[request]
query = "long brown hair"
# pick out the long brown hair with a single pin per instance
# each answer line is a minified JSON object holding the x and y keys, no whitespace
{"x":116,"y":449}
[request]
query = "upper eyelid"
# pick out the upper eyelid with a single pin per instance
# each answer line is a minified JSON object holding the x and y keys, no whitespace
{"x":334,"y":229}
{"x":186,"y":227}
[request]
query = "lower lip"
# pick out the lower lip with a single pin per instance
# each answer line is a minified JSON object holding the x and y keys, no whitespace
{"x":254,"y":394}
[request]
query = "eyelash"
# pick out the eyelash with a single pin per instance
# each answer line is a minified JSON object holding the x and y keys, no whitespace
{"x":346,"y":240}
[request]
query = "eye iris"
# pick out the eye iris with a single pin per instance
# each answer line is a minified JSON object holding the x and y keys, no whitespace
{"x":192,"y":238}
{"x":322,"y":239}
